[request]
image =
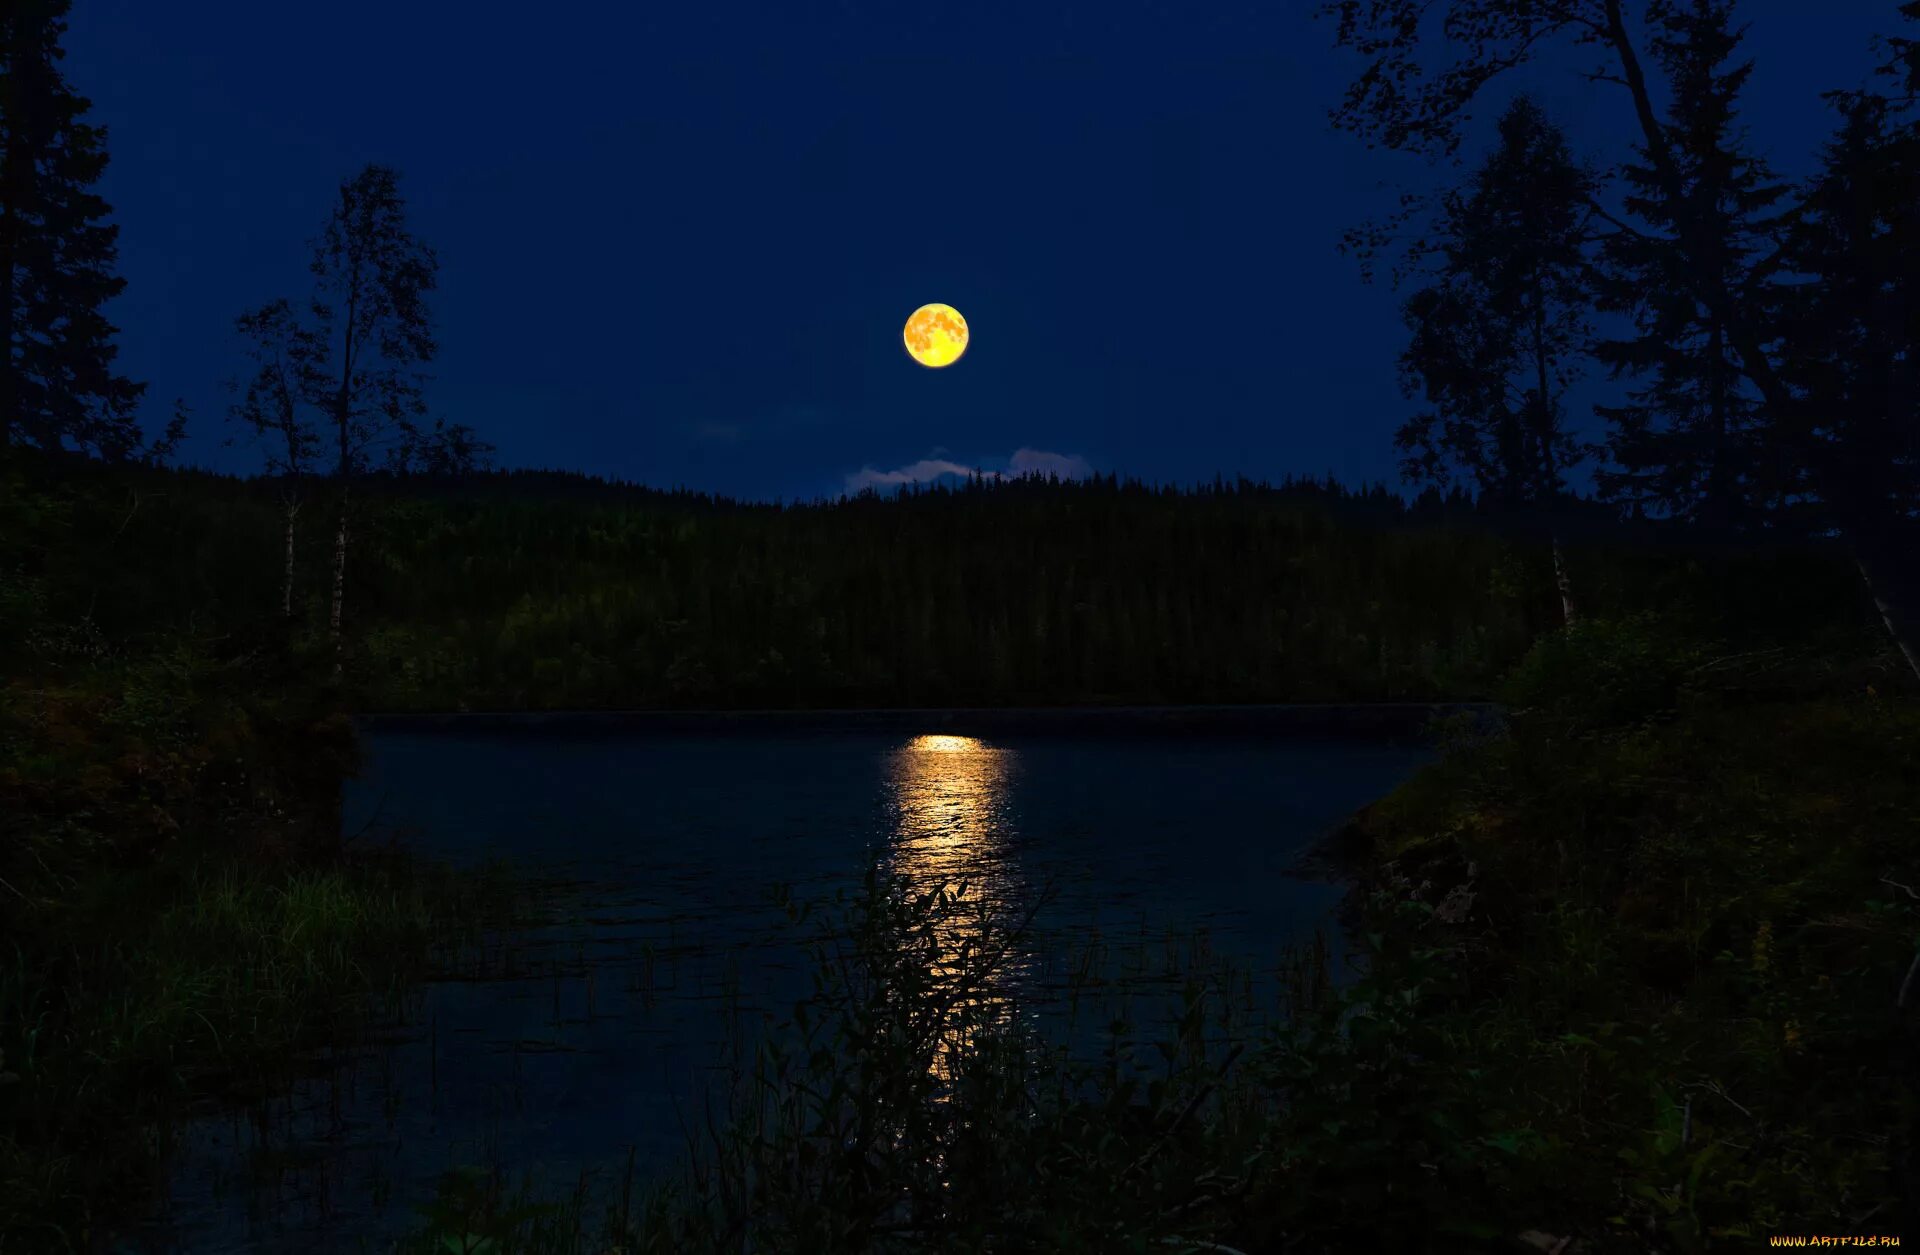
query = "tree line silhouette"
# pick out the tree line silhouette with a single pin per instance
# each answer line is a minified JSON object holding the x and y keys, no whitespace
{"x":513,"y":589}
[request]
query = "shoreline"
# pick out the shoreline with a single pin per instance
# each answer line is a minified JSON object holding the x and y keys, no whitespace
{"x":1366,"y":720}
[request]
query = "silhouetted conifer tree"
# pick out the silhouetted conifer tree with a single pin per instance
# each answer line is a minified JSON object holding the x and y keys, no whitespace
{"x":1691,"y":440}
{"x":58,"y":387}
{"x":1851,"y":331}
{"x":162,"y":451}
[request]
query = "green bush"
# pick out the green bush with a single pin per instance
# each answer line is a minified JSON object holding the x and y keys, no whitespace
{"x":1606,"y":673}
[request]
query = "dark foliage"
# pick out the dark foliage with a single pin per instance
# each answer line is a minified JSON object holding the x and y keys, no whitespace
{"x":1500,"y":334}
{"x":1852,"y":325}
{"x":58,"y":388}
{"x":1690,"y":441}
{"x":1771,"y":402}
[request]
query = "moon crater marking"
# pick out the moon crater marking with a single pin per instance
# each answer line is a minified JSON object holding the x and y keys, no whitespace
{"x":936,"y":335}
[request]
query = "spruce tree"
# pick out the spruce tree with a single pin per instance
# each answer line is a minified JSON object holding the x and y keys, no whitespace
{"x":58,"y":387}
{"x":1852,"y":325}
{"x":1690,"y":441}
{"x":1851,"y":331}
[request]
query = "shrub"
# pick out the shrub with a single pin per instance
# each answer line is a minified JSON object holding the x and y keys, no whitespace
{"x":1606,"y":674}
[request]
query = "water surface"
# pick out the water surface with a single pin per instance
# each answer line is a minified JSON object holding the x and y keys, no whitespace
{"x":596,"y":1036}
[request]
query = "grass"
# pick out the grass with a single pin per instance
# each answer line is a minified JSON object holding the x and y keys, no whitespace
{"x":160,"y":999}
{"x":904,"y":1105}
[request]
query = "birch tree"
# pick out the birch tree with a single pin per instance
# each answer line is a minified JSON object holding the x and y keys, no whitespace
{"x":274,"y":405}
{"x":445,"y":450}
{"x":374,"y":333}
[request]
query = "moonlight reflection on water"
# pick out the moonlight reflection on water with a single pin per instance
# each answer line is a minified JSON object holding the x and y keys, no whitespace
{"x":953,"y":826}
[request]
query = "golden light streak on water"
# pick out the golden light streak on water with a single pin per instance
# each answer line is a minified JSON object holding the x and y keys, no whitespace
{"x":952,"y":822}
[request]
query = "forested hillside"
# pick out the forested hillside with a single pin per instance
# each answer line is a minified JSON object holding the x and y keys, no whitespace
{"x":1026,"y":593}
{"x":549,"y":591}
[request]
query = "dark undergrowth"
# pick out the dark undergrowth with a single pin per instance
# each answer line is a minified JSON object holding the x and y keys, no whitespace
{"x":183,"y":925}
{"x":212,"y":982}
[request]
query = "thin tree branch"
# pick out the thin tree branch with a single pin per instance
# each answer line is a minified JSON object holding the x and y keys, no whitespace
{"x":1192,"y":1103}
{"x":1195,"y":1244}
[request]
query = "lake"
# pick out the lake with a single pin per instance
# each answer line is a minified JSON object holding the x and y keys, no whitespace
{"x":594,"y":1035}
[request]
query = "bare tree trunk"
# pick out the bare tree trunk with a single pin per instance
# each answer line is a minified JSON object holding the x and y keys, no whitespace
{"x":1563,"y":582}
{"x":1548,"y":465}
{"x":339,"y":587}
{"x":12,"y":180}
{"x":286,"y":586}
{"x":1719,"y":508}
{"x":343,"y":427}
{"x":1897,"y":615}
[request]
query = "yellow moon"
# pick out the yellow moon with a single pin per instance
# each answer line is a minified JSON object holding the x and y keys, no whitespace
{"x":936,"y":335}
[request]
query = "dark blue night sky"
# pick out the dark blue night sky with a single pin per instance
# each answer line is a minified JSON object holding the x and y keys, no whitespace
{"x":678,"y":241}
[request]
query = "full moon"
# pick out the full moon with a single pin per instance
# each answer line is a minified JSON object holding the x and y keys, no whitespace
{"x":936,"y":335}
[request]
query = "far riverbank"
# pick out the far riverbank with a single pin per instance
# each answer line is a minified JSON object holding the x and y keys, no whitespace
{"x":1376,"y":720}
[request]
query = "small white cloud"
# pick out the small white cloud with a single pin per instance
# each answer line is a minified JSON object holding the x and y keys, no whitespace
{"x":1025,"y":461}
{"x":1040,"y":462}
{"x":924,"y":471}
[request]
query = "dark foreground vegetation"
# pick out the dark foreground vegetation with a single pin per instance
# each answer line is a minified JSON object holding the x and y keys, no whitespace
{"x":181,"y":922}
